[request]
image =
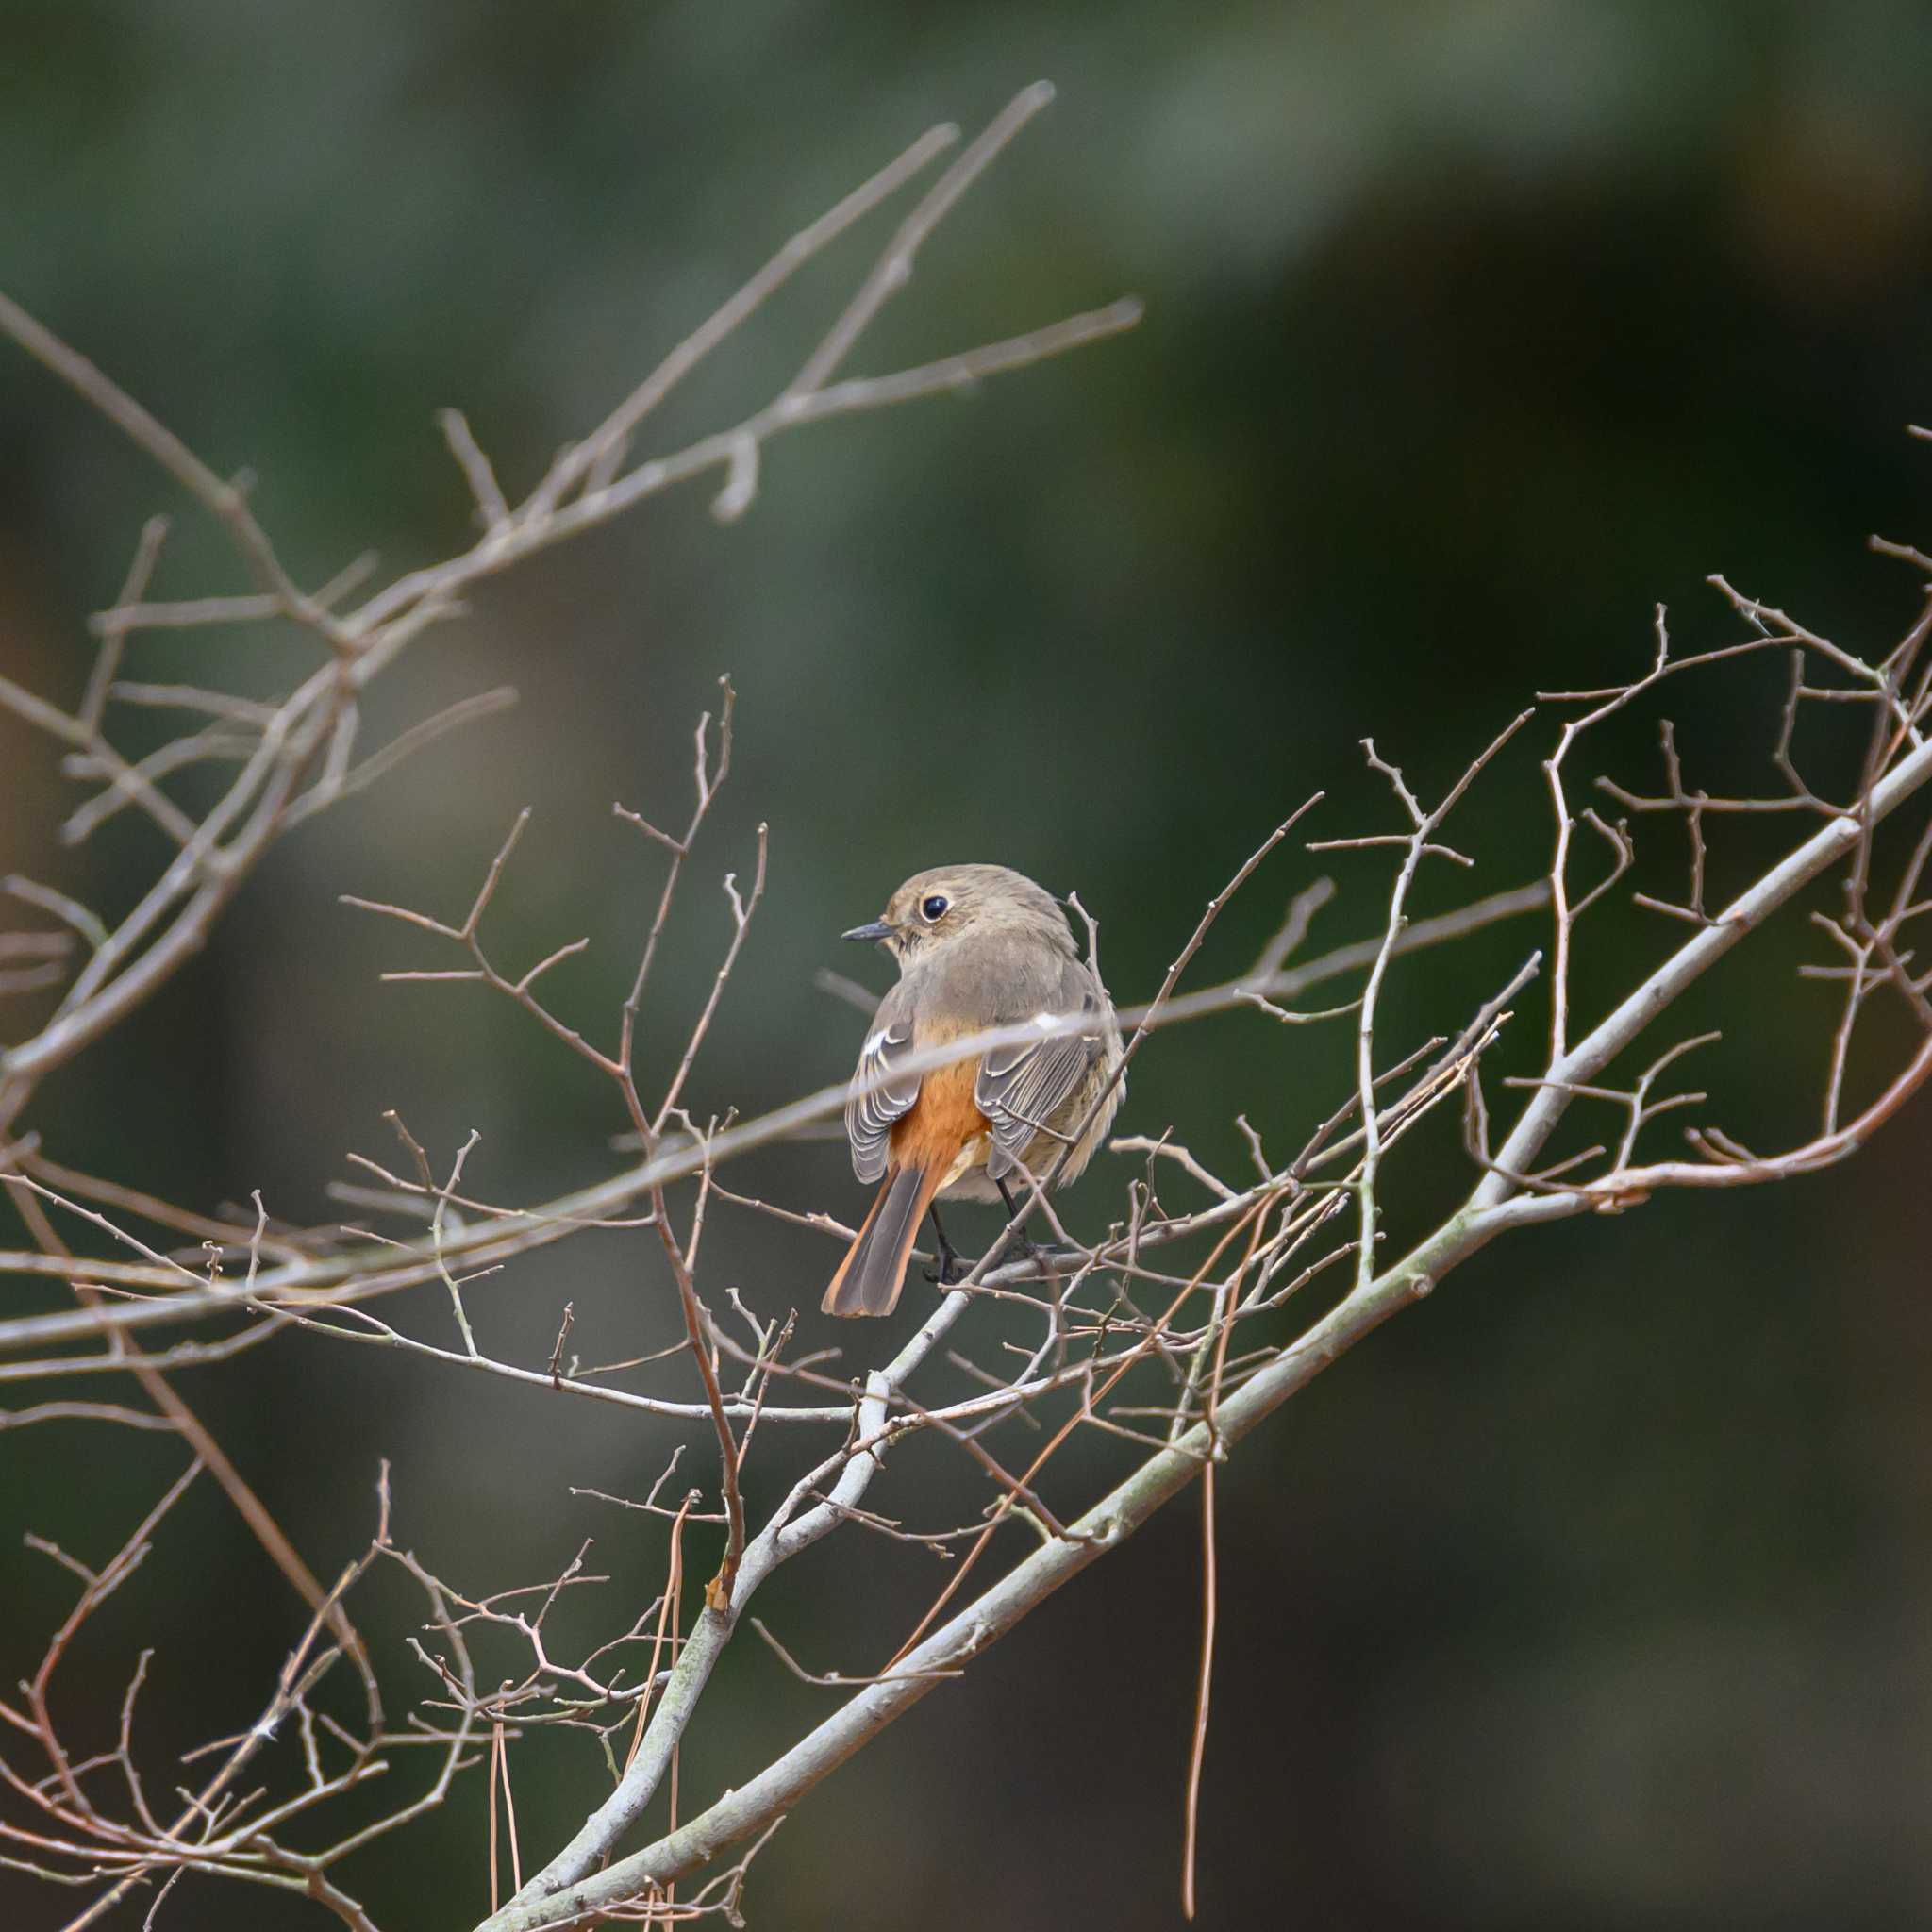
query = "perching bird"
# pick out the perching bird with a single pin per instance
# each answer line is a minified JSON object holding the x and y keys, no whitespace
{"x":978,"y":947}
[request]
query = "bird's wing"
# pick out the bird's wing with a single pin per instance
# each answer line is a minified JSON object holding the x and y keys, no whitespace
{"x":1020,"y":1088}
{"x":879,"y":1095}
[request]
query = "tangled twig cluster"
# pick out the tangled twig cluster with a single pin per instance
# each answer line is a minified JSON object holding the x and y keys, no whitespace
{"x":1166,"y":1338}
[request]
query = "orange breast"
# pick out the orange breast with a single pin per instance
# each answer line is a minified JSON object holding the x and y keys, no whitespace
{"x":941,"y":1121}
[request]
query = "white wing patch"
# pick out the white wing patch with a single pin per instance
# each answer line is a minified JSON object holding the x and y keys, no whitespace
{"x":1020,"y":1088}
{"x":877,"y":1098}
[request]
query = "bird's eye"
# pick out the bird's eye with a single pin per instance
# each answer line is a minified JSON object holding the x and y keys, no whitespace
{"x":932,"y":909}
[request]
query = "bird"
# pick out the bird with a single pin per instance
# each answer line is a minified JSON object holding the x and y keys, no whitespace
{"x":977,"y":946}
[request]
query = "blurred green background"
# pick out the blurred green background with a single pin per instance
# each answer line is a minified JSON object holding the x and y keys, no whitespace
{"x":1592,"y":1593}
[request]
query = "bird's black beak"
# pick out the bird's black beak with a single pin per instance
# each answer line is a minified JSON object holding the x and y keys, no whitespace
{"x":878,"y":929}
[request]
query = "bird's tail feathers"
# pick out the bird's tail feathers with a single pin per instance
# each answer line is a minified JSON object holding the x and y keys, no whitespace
{"x":870,"y":1277}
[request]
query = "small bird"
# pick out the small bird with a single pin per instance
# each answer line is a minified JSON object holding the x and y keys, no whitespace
{"x":978,"y":947}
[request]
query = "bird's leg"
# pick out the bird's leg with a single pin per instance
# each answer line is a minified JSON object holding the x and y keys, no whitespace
{"x":951,"y":1268}
{"x":1031,"y":1248}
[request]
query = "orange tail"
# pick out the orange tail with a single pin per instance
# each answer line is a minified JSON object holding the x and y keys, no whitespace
{"x":870,"y":1277}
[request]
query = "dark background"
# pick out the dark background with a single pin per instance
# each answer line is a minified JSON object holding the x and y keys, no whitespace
{"x":1593,"y":1591}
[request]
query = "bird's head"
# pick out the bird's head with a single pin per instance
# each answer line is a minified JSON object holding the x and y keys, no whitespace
{"x":948,"y":902}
